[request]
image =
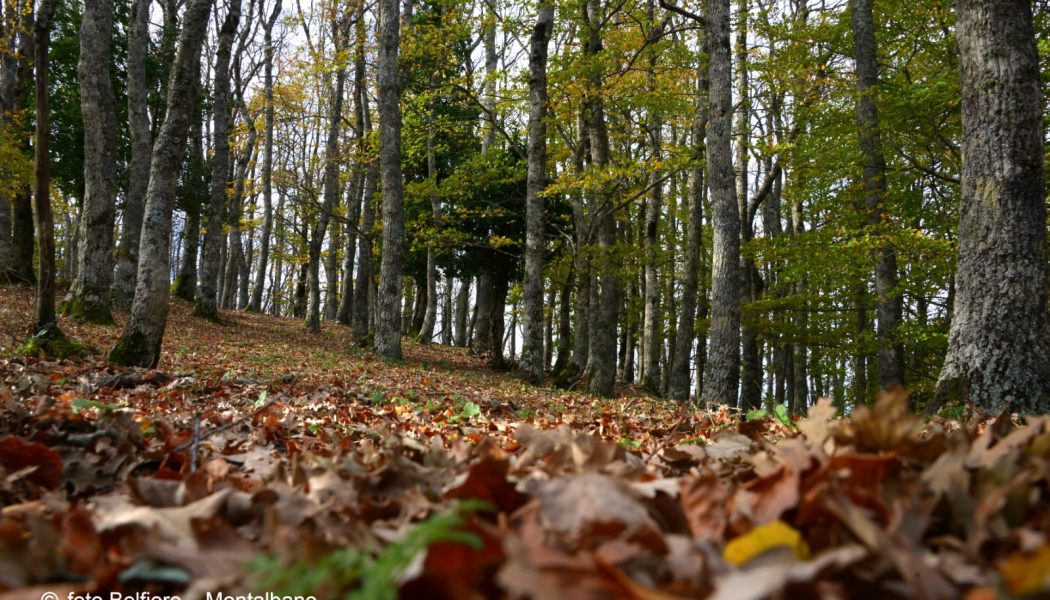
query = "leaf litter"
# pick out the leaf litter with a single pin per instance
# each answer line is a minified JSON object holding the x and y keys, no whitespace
{"x":252,"y":463}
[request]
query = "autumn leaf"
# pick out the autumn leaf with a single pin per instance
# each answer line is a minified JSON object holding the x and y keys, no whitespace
{"x":763,"y":538}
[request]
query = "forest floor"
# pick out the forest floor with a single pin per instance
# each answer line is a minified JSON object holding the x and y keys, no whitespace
{"x":260,"y":458}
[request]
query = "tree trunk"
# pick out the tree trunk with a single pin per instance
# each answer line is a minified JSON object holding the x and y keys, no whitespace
{"x":331,"y":182}
{"x":678,"y":380}
{"x":141,"y":340}
{"x":601,"y":364}
{"x":45,"y":295}
{"x":88,"y":298}
{"x":207,"y":299}
{"x":997,"y":345}
{"x":887,"y":297}
{"x":426,"y":328}
{"x":141,"y":155}
{"x":359,"y":323}
{"x":255,"y":304}
{"x":722,"y":369}
{"x":532,"y":357}
{"x":388,"y":318}
{"x":462,"y":310}
{"x":482,"y":325}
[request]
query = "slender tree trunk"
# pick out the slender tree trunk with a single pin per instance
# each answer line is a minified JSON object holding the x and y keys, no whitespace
{"x":887,"y":296}
{"x":532,"y":356}
{"x":359,"y":323}
{"x":9,"y":17}
{"x":480,"y":343}
{"x":722,"y":370}
{"x":88,"y":298}
{"x":45,"y":295}
{"x":22,"y":229}
{"x":207,"y":297}
{"x":426,"y":328}
{"x":141,"y":155}
{"x":141,"y":340}
{"x":601,"y":364}
{"x":255,"y":304}
{"x":491,"y":66}
{"x":678,"y":381}
{"x":997,"y":345}
{"x":462,"y":312}
{"x":388,"y":317}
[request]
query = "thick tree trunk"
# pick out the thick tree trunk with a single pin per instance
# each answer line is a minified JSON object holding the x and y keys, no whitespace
{"x":207,"y":297}
{"x":997,"y":345}
{"x":887,"y":297}
{"x":331,"y":270}
{"x":45,"y":295}
{"x":480,"y":341}
{"x":141,"y":155}
{"x":722,"y":369}
{"x":141,"y":340}
{"x":388,"y":319}
{"x":88,"y":298}
{"x":532,"y":357}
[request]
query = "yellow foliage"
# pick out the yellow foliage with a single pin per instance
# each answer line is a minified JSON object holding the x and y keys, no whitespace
{"x":1026,"y":574}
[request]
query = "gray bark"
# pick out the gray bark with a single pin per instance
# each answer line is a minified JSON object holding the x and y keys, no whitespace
{"x":331,"y":185}
{"x":388,"y":317}
{"x":532,"y":356}
{"x":462,"y":310}
{"x":141,"y":340}
{"x":997,"y":345}
{"x":88,"y":298}
{"x":601,"y":364}
{"x":426,"y":329}
{"x":678,"y":378}
{"x":255,"y":304}
{"x":722,"y":368}
{"x":887,"y":297}
{"x":491,"y":65}
{"x":359,"y":322}
{"x":141,"y":155}
{"x":207,"y":297}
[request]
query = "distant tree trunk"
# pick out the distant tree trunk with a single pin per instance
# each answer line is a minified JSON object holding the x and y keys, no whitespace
{"x":426,"y":328}
{"x":532,"y":355}
{"x":564,"y":354}
{"x":207,"y":297}
{"x":447,"y":318}
{"x":360,"y":171}
{"x":45,"y":295}
{"x":678,"y":380}
{"x":141,"y":155}
{"x":141,"y":340}
{"x":462,"y":310}
{"x":997,"y":345}
{"x":331,"y":269}
{"x":388,"y":317}
{"x":601,"y":364}
{"x":22,"y":230}
{"x":359,"y":323}
{"x":488,"y":100}
{"x":331,"y":185}
{"x":9,"y":16}
{"x":236,"y":265}
{"x":887,"y":297}
{"x":480,"y":343}
{"x":255,"y":304}
{"x":88,"y":298}
{"x":185,"y":284}
{"x":722,"y":369}
{"x":500,"y":286}
{"x":419,"y":308}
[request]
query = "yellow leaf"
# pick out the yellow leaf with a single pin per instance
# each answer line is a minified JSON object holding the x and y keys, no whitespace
{"x":763,"y":538}
{"x":1026,"y":574}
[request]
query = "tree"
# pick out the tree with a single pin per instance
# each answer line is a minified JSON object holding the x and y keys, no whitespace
{"x":88,"y":299}
{"x":532,"y":360}
{"x":141,"y":155}
{"x":998,"y":354}
{"x":140,"y":342}
{"x":722,"y":368}
{"x":206,"y":304}
{"x":388,"y":317}
{"x":255,"y":305}
{"x":888,"y":298}
{"x":45,"y":296}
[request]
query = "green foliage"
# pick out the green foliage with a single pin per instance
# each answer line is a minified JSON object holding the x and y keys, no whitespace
{"x":779,"y":413}
{"x":356,"y":574}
